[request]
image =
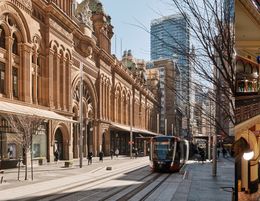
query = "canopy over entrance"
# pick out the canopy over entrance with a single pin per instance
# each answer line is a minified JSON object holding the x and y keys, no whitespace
{"x":11,"y":108}
{"x":128,"y":128}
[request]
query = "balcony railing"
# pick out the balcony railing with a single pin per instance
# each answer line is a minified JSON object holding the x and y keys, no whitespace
{"x":247,"y":111}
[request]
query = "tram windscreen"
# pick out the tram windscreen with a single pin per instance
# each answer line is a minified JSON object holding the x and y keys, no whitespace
{"x":163,"y":150}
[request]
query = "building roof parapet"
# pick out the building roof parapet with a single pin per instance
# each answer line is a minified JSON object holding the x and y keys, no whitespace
{"x":164,"y":18}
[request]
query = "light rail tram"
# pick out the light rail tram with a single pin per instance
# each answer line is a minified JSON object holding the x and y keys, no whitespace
{"x":168,"y":153}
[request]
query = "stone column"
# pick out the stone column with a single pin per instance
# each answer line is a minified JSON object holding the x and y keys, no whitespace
{"x":102,"y":97}
{"x":8,"y":68}
{"x":50,"y":77}
{"x":69,"y":98}
{"x":108,"y":102}
{"x":61,"y":82}
{"x":27,"y":72}
{"x":57,"y":81}
{"x":64,"y":84}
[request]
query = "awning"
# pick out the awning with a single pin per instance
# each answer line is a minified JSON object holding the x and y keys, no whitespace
{"x":135,"y":130}
{"x":11,"y":108}
{"x":120,"y":127}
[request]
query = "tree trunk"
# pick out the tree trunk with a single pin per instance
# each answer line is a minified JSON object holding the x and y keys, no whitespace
{"x":26,"y":165}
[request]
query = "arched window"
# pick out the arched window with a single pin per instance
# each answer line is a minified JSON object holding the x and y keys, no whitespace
{"x":2,"y":38}
{"x":2,"y":77}
{"x":240,"y":67}
{"x":15,"y":82}
{"x":15,"y":45}
{"x":248,"y":68}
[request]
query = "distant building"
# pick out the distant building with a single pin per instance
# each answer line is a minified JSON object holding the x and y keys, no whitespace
{"x":170,"y":38}
{"x":167,"y":76}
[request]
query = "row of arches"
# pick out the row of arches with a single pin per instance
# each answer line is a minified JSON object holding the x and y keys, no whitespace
{"x":116,"y":103}
{"x":13,"y":65}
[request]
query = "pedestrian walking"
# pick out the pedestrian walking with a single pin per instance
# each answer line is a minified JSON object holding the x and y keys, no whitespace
{"x":202,"y":155}
{"x":117,"y":153}
{"x":218,"y":151}
{"x":90,"y":155}
{"x":101,"y":154}
{"x":111,"y":153}
{"x":56,"y":155}
{"x":136,"y":152}
{"x":224,"y":152}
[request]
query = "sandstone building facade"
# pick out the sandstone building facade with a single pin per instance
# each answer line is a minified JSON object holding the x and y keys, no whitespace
{"x":42,"y":45}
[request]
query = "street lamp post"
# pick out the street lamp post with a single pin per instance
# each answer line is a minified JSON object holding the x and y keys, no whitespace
{"x":158,"y":124}
{"x":165,"y":127}
{"x":80,"y":116}
{"x":131,"y":133}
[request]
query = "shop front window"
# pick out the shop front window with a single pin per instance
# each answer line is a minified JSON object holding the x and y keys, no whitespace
{"x":11,"y":151}
{"x":39,"y":142}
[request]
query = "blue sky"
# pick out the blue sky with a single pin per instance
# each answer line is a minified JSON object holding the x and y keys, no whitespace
{"x":127,"y":12}
{"x":126,"y":16}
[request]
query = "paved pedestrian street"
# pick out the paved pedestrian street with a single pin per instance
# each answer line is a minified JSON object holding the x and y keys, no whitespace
{"x":129,"y":179}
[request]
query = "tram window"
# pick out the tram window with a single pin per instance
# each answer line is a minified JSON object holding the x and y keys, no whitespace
{"x":163,"y":150}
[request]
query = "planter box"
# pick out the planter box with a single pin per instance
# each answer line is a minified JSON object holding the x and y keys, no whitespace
{"x":40,"y":161}
{"x":68,"y":164}
{"x":8,"y":164}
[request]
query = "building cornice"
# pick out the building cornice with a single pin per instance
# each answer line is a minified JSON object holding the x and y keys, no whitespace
{"x":252,"y":10}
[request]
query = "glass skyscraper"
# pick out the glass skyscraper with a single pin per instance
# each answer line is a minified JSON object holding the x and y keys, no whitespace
{"x":170,"y":39}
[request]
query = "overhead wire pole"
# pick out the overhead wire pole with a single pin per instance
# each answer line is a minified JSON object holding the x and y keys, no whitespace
{"x":158,"y":124}
{"x":80,"y":116}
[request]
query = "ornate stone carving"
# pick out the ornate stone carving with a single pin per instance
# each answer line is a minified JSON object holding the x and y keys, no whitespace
{"x":84,"y":13}
{"x":60,"y":29}
{"x":26,"y":3}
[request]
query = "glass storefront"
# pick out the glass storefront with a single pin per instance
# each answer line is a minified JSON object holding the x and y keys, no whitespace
{"x":247,"y":77}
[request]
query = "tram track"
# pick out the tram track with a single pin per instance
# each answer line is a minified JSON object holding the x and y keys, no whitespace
{"x":103,"y":178}
{"x":125,"y":188}
{"x":130,"y":195}
{"x":154,"y":188}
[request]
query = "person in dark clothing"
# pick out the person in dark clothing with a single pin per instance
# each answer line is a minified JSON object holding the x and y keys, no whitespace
{"x":90,"y":155}
{"x":101,"y":154}
{"x":111,"y":153}
{"x":224,"y":152}
{"x":202,"y":155}
{"x":218,"y":151}
{"x":56,"y":155}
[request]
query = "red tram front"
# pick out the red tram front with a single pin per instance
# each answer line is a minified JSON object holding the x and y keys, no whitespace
{"x":168,"y":153}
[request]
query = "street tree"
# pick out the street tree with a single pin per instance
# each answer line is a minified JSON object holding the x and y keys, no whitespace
{"x":211,"y":59}
{"x":24,"y":128}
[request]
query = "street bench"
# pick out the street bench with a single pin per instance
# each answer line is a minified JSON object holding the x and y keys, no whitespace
{"x":2,"y":176}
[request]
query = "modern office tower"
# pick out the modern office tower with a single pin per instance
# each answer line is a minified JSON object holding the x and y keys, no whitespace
{"x":170,"y":39}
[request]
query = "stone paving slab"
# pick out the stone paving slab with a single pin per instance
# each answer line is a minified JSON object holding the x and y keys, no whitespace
{"x":197,"y":185}
{"x":200,"y":185}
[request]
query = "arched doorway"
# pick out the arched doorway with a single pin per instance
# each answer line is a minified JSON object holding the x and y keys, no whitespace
{"x":59,"y":144}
